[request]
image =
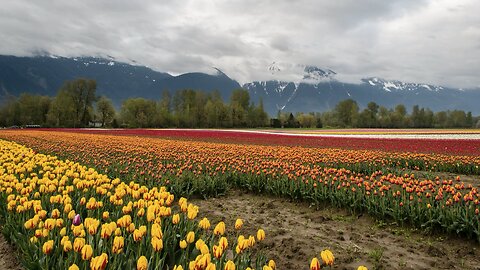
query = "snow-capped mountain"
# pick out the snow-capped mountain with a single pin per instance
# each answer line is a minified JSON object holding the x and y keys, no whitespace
{"x":305,"y":89}
{"x":317,"y":89}
{"x":390,"y":86}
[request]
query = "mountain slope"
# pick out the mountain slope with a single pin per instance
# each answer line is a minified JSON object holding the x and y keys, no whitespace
{"x":320,"y":91}
{"x":314,"y":89}
{"x":119,"y":81}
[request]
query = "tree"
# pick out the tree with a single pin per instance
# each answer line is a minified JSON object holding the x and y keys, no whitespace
{"x":138,"y":112}
{"x":105,"y":110}
{"x":82,"y":93}
{"x":239,"y":107}
{"x":347,"y":112}
{"x":61,"y":112}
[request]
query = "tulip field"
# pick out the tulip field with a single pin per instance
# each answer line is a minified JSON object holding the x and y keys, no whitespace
{"x":129,"y":199}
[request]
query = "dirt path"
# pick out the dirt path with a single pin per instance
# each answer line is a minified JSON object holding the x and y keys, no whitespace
{"x":8,"y":259}
{"x":296,"y":233}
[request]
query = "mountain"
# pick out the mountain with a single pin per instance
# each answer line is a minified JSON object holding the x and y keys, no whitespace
{"x":46,"y":74}
{"x":319,"y":90}
{"x":311,"y":89}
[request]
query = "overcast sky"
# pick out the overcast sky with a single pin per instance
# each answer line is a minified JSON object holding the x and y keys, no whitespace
{"x":424,"y":41}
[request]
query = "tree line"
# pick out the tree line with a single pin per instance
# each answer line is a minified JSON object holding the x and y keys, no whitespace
{"x":77,"y":105}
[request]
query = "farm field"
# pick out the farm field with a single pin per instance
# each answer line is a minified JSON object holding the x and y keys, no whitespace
{"x":396,"y":203}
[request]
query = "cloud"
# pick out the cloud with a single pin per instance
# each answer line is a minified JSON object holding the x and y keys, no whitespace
{"x":434,"y":41}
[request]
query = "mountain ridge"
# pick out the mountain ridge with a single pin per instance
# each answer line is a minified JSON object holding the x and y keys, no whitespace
{"x":315,"y":89}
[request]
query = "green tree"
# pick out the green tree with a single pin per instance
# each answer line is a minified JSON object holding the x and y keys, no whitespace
{"x":61,"y":112}
{"x":138,"y":112}
{"x":105,"y":110}
{"x":347,"y":112}
{"x":82,"y":93}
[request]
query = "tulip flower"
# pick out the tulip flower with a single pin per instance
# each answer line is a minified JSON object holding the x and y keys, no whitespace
{"x":327,"y":257}
{"x":229,"y":265}
{"x":156,"y":231}
{"x":220,"y":228}
{"x":361,"y":267}
{"x":157,"y":244}
{"x":204,"y":223}
{"x":99,"y":262}
{"x":78,"y":244}
{"x":67,"y":246}
{"x":142,"y":263}
{"x":118,"y":243}
{"x":183,"y":244}
{"x":315,"y":264}
{"x":47,"y":247}
{"x":260,"y":235}
{"x":190,"y":237}
{"x":77,"y":220}
{"x":87,"y":252}
{"x":238,"y":224}
{"x":73,"y":267}
{"x":176,"y":219}
{"x":272,"y":264}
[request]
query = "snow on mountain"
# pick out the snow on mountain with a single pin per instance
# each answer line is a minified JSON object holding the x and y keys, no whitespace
{"x":390,"y":86}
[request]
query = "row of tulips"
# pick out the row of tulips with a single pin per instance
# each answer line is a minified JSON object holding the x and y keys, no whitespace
{"x":123,"y":225}
{"x":438,"y":146}
{"x":366,"y":161}
{"x":63,"y":215}
{"x":200,"y":168}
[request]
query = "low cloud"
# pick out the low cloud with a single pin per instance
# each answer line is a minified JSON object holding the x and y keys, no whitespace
{"x":435,"y":41}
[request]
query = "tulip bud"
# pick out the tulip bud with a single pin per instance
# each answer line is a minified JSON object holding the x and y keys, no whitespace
{"x":77,"y":220}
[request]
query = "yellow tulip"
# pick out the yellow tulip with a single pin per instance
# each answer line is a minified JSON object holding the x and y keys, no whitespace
{"x":33,"y":239}
{"x":67,"y":246}
{"x":272,"y":264}
{"x":238,"y":224}
{"x":178,"y":267}
{"x":204,"y":223}
{"x":78,"y":244}
{"x":105,"y":215}
{"x":176,"y":219}
{"x":137,"y":235}
{"x":223,"y":242}
{"x":183,"y":244}
{"x":260,"y":235}
{"x":217,"y":251}
{"x":118,"y":243}
{"x":211,"y":266}
{"x":156,"y":231}
{"x":157,"y":243}
{"x":361,"y":267}
{"x":327,"y":257}
{"x":47,"y":247}
{"x":99,"y":262}
{"x":229,"y":265}
{"x":73,"y":267}
{"x":220,"y":228}
{"x":192,"y":211}
{"x":142,"y":263}
{"x":190,"y":237}
{"x":315,"y":264}
{"x":87,"y":252}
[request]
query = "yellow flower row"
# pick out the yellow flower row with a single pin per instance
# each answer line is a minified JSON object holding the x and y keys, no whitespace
{"x":74,"y":217}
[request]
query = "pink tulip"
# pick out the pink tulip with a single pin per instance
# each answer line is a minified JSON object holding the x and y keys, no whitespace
{"x":77,"y":220}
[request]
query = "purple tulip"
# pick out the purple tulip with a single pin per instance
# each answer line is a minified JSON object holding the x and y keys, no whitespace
{"x":77,"y":220}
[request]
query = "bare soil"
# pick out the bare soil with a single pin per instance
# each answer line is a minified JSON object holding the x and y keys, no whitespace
{"x":296,"y":232}
{"x":8,"y":259}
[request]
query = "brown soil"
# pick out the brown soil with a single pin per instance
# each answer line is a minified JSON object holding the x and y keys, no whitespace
{"x":8,"y":260}
{"x":296,"y":232}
